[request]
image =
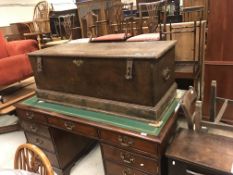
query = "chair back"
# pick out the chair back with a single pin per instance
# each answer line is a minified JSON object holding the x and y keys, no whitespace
{"x":115,"y":17}
{"x":30,"y":158}
{"x":41,"y":18}
{"x":149,"y":15}
{"x":192,"y":109}
{"x":89,"y":25}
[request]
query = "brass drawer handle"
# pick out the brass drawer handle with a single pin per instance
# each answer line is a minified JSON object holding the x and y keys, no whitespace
{"x":33,"y":128}
{"x":125,"y":141}
{"x":127,"y":171}
{"x":29,"y":115}
{"x":69,"y":125}
{"x":38,"y":141}
{"x":127,"y":158}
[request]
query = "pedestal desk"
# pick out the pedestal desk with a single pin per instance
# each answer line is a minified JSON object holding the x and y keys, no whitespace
{"x":128,"y":146}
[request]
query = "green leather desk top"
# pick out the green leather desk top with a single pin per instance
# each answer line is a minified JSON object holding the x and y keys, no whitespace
{"x":122,"y":122}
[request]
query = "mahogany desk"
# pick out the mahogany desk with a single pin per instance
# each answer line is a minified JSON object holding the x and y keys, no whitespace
{"x":128,"y":146}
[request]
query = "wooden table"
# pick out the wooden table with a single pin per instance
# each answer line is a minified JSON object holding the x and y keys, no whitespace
{"x":65,"y":133}
{"x":193,"y":153}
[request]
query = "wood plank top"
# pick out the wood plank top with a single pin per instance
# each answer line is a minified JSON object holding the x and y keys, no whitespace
{"x":116,"y":50}
{"x":203,"y":149}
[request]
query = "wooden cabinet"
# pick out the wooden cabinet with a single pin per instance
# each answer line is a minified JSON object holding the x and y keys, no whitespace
{"x":219,"y":55}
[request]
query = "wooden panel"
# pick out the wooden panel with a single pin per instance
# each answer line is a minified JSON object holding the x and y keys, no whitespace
{"x":129,"y":142}
{"x":220,"y":27}
{"x":130,"y":159}
{"x":185,"y":40}
{"x":40,"y":141}
{"x":52,"y":158}
{"x":35,"y":128}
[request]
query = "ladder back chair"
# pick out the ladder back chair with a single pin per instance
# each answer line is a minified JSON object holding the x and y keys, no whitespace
{"x":117,"y":23}
{"x":30,"y":158}
{"x":150,"y":23}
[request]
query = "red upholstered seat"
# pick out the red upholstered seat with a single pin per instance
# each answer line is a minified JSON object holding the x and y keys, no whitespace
{"x":14,"y":62}
{"x":145,"y":37}
{"x":111,"y":37}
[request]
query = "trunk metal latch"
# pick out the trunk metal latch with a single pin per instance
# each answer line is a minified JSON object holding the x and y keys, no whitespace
{"x":129,"y":70}
{"x":39,"y":64}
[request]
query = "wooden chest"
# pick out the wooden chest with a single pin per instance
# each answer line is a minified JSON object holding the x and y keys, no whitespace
{"x":127,"y":78}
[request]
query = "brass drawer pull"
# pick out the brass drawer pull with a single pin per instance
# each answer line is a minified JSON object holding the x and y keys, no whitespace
{"x":69,"y":125}
{"x":127,"y":158}
{"x":125,"y":141}
{"x":127,"y":171}
{"x":29,"y":115}
{"x":38,"y":141}
{"x":33,"y":128}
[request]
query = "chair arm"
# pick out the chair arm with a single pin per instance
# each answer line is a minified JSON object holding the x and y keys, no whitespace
{"x":21,"y":47}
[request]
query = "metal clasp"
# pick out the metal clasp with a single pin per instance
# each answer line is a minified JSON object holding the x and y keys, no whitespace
{"x":39,"y":64}
{"x":129,"y":70}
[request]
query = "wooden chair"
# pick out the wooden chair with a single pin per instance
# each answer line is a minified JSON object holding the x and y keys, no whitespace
{"x":41,"y":24}
{"x":117,"y":24}
{"x":149,"y":19}
{"x":192,"y":109}
{"x":30,"y":158}
{"x":89,"y":25}
{"x":116,"y":21}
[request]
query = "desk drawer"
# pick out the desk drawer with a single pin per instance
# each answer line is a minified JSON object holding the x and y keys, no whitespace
{"x":116,"y":169}
{"x":130,"y":159}
{"x":35,"y":128}
{"x":74,"y":127}
{"x":29,"y":115}
{"x":130,"y":142}
{"x":40,"y":141}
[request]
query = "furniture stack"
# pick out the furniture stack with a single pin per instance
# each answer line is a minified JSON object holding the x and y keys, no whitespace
{"x":120,"y":94}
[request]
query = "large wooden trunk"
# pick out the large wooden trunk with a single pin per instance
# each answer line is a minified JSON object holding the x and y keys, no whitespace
{"x":127,"y":78}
